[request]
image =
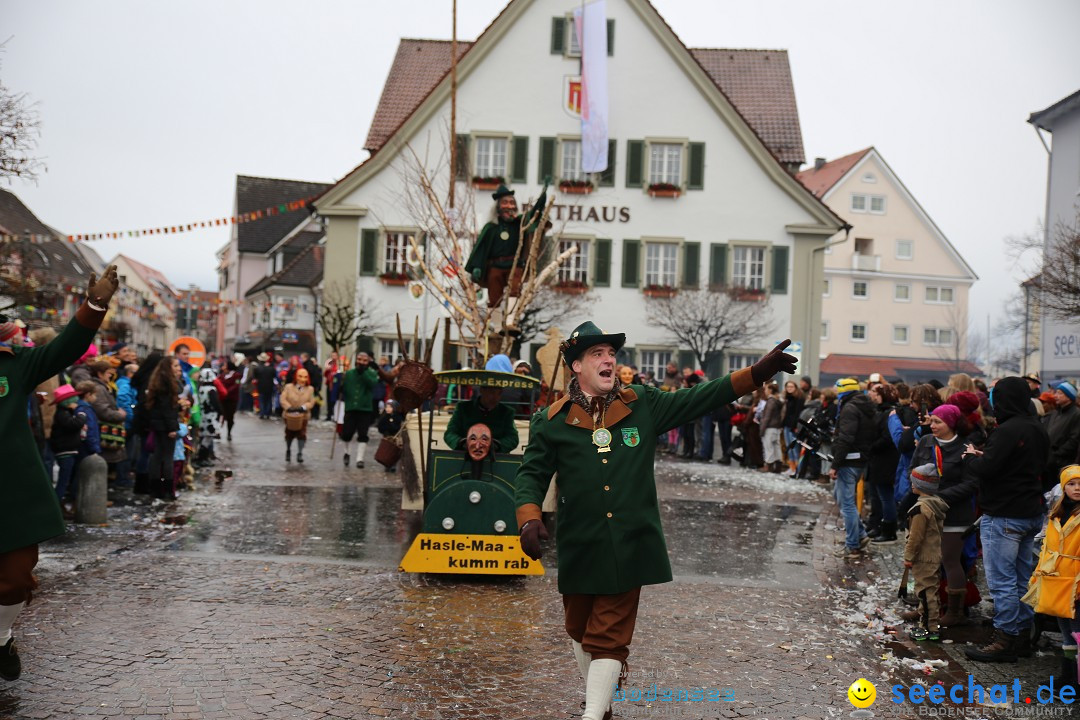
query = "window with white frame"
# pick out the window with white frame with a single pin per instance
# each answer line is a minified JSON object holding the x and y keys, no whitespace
{"x":748,"y":267}
{"x":939,"y":295}
{"x":391,"y":350}
{"x":655,"y":360}
{"x":902,"y":292}
{"x":937,"y":336}
{"x":824,"y":329}
{"x":858,"y":332}
{"x":576,"y":267}
{"x":861,"y":203}
{"x":827,"y":292}
{"x":905,"y":250}
{"x":570,"y":159}
{"x":491,"y":157}
{"x":661,"y":262}
{"x":665,"y":163}
{"x":900,"y":334}
{"x":740,"y":361}
{"x":394,"y":252}
{"x":860,"y":289}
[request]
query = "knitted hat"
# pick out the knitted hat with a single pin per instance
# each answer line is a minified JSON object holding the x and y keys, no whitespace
{"x":1069,"y":472}
{"x":7,"y":331}
{"x":1067,"y":387}
{"x":948,"y":414}
{"x":925,"y":478}
{"x":64,"y":392}
{"x":117,"y":347}
{"x":847,"y":385}
{"x":967,"y":401}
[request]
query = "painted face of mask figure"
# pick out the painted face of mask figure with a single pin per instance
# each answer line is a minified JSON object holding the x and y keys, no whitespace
{"x":478,"y":441}
{"x":302,"y":377}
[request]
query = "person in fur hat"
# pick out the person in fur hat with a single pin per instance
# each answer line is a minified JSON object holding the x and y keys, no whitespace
{"x":30,"y":512}
{"x":922,"y":553}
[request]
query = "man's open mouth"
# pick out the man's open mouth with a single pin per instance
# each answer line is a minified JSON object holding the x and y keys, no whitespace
{"x":606,"y":373}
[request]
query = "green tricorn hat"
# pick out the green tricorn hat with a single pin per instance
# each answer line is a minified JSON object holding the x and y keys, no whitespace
{"x":584,"y":337}
{"x":503,"y":191}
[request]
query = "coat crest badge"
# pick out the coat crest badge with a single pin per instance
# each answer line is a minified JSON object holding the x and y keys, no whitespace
{"x":4,"y":386}
{"x":630,"y":437}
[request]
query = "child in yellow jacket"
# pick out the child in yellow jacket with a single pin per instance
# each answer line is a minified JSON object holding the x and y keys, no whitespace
{"x":1053,"y":588}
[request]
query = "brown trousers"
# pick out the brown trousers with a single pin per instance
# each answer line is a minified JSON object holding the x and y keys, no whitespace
{"x":17,"y":581}
{"x":927,"y":579}
{"x":603,"y":624}
{"x":498,"y":279}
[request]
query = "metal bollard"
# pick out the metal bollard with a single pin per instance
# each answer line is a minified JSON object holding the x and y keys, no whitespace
{"x":90,"y":504}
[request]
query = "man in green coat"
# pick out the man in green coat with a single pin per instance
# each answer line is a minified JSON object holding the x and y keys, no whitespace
{"x":601,"y":440}
{"x":360,"y":410}
{"x":29,"y":510}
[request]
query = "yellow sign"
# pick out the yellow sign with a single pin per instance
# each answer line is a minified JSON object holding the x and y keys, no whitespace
{"x":470,"y":554}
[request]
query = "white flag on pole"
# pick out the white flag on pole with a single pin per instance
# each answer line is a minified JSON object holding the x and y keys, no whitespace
{"x":590,"y":23}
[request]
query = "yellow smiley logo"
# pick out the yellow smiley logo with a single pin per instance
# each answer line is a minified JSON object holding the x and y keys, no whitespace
{"x":862,"y":693}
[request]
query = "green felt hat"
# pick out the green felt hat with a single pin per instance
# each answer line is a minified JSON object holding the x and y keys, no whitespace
{"x":503,"y":191}
{"x":584,"y":337}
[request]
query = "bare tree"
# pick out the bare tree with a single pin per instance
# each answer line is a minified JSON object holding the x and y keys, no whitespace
{"x":343,"y":317}
{"x":957,"y":343}
{"x":1053,"y":265}
{"x":551,"y":307}
{"x":20,"y":127}
{"x":709,"y":321}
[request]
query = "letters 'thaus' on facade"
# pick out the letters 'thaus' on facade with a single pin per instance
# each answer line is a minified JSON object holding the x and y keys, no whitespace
{"x":721,"y":126}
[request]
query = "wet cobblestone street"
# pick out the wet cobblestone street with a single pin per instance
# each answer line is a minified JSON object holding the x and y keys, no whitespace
{"x":281,"y":598}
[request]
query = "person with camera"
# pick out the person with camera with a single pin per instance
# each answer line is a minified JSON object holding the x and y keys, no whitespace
{"x":31,"y":512}
{"x":855,"y":434}
{"x":601,"y":440}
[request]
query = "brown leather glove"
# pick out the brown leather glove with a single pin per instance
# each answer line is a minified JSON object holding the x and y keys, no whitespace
{"x":100,"y":291}
{"x":531,"y":535}
{"x":776,"y":360}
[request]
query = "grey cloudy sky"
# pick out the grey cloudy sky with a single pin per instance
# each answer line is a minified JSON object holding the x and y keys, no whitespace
{"x":150,"y":109}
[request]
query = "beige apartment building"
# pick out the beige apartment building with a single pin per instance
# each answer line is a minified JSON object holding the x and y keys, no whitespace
{"x":895,"y":299}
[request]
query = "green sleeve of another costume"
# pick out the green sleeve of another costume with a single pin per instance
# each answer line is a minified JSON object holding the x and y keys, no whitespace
{"x":479,"y":255}
{"x":538,"y":465}
{"x":455,"y":429}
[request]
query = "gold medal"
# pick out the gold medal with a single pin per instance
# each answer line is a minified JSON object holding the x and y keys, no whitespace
{"x":601,"y":438}
{"x":504,"y":235}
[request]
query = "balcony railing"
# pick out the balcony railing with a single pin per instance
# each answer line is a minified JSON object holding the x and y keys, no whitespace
{"x":866,"y":263}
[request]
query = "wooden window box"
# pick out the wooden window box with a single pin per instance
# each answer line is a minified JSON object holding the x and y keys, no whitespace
{"x":576,"y":188}
{"x":393,"y":280}
{"x":487,"y":183}
{"x":659,"y":292}
{"x":577,"y":288}
{"x":664,"y":190}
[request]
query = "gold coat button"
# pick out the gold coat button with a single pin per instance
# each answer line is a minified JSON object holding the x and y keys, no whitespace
{"x":605,"y":461}
{"x":609,"y":514}
{"x":607,"y":487}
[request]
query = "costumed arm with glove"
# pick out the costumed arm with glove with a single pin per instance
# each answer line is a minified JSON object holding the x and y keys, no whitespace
{"x":534,"y":475}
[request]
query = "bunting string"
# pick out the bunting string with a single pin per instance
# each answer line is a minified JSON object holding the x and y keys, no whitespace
{"x":246,"y":217}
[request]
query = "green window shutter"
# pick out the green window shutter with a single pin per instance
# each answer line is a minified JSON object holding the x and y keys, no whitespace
{"x":610,"y":37}
{"x":602,"y":271}
{"x":631,"y":252}
{"x":558,"y":35}
{"x":779,"y":270}
{"x":520,"y":159}
{"x":369,"y":248}
{"x":687,"y":358}
{"x":547,"y":158}
{"x":696,"y":179}
{"x":635,"y":156}
{"x":463,"y":160}
{"x":718,"y":265}
{"x":607,"y":178}
{"x":691,"y":261}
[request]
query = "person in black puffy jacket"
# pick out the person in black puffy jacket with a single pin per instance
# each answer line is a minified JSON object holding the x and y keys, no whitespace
{"x":855,"y":434}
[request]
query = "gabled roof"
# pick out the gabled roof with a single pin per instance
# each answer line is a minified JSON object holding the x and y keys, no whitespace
{"x":259,"y":193}
{"x":819,"y":180}
{"x":850,"y":164}
{"x":153,"y":278}
{"x":757,"y":82}
{"x":16,"y":218}
{"x":1045,"y":119}
{"x":305,"y":270}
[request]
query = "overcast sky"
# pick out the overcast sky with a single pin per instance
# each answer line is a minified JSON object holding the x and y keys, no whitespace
{"x":150,"y":109}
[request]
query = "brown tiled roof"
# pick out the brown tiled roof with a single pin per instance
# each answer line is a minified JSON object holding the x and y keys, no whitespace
{"x":757,"y":82}
{"x":305,"y":270}
{"x":154,"y":278}
{"x":820,"y":180}
{"x":418,"y":67}
{"x":258,"y":193}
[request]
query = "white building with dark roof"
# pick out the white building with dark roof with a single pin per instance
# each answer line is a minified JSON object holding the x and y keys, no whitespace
{"x":721,"y":126}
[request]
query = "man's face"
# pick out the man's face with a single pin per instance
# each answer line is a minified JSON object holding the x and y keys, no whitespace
{"x":508,"y":208}
{"x":363,"y":360}
{"x":1061,"y":399}
{"x":478,"y":441}
{"x":126,"y":355}
{"x":805,"y":386}
{"x":489,"y":397}
{"x":183,"y":353}
{"x":521,"y":370}
{"x":596,"y":370}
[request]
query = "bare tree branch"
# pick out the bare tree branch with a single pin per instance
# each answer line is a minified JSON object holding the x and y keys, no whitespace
{"x":20,"y":127}
{"x":710,"y":321}
{"x":343,"y":317}
{"x":1058,"y":282}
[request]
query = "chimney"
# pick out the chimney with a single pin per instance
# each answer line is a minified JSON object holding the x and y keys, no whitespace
{"x":819,"y":163}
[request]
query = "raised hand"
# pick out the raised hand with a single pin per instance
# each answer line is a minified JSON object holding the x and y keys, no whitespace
{"x":100,"y":291}
{"x":776,"y":360}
